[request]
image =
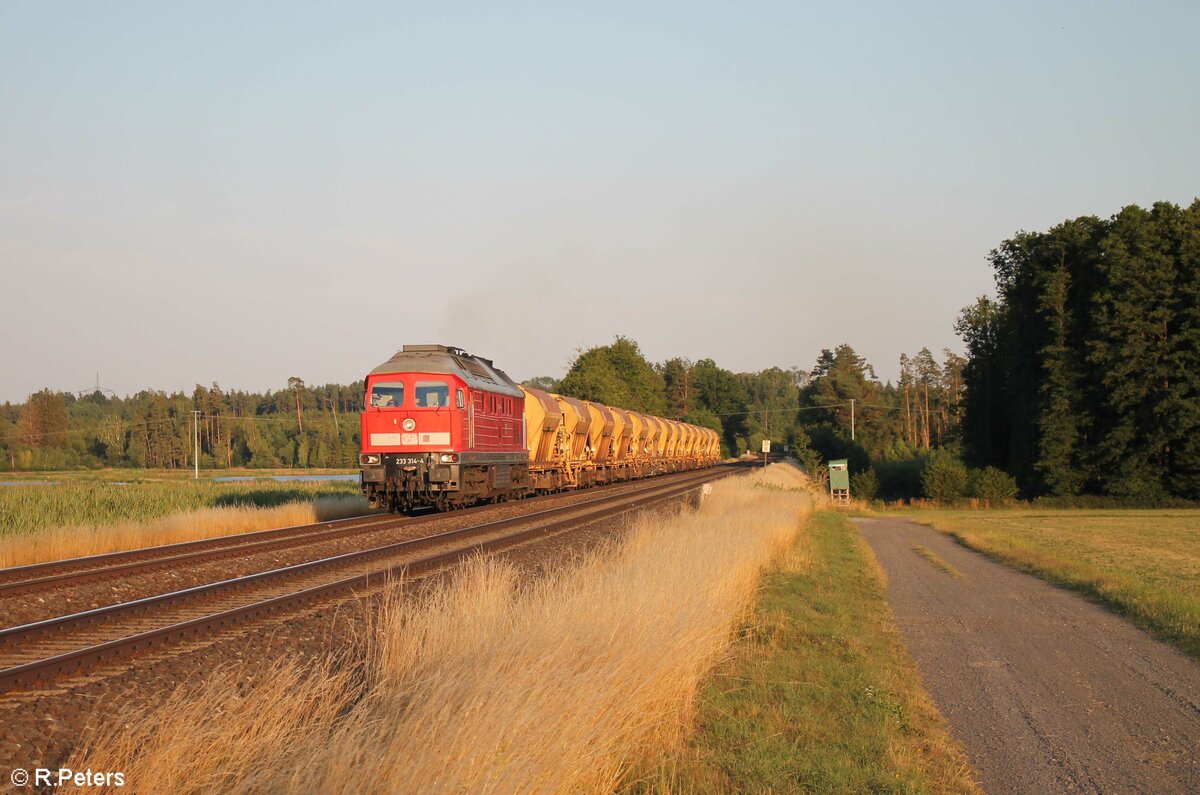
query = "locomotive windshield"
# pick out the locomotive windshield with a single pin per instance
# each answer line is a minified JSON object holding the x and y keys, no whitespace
{"x":432,"y":394}
{"x":387,"y":394}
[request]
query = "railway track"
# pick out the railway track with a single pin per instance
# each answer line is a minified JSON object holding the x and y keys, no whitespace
{"x":33,"y":654}
{"x":76,"y":571}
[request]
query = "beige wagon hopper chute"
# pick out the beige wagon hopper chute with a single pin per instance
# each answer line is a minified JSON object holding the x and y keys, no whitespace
{"x":600,"y":433}
{"x":657,"y":439}
{"x":651,"y":456}
{"x":577,"y":420}
{"x":639,"y":427}
{"x":686,"y":450}
{"x":674,"y":438}
{"x":543,"y":418}
{"x":622,"y":434}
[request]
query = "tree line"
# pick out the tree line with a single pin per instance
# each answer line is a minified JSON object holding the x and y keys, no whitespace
{"x":300,"y":426}
{"x":805,"y":409}
{"x":303,"y":426}
{"x":1084,"y":372}
{"x":1082,"y":377}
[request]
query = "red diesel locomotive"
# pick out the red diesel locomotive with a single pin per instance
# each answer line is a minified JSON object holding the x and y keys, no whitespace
{"x":441,"y":427}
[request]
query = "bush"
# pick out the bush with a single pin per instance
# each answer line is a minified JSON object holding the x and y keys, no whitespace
{"x":864,"y":485}
{"x":899,"y":480}
{"x":994,"y":486}
{"x":814,"y":466}
{"x":944,"y":477}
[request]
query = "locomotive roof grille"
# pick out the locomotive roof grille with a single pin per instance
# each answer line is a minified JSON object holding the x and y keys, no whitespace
{"x":477,"y":371}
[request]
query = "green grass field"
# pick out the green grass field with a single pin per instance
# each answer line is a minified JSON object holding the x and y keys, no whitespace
{"x":820,"y":695}
{"x":125,"y":475}
{"x":89,"y":501}
{"x":1143,"y":563}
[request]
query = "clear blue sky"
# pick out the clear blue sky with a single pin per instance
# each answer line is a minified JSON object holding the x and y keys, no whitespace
{"x":244,"y":192}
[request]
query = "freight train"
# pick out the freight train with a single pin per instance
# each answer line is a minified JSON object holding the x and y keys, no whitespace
{"x":444,"y":428}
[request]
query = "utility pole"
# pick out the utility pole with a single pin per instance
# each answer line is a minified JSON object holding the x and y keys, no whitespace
{"x":852,"y":419}
{"x":196,"y":444}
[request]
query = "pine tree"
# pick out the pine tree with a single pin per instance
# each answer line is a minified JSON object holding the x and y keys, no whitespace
{"x":1182,"y":407}
{"x":1132,"y":351}
{"x":985,"y":415}
{"x":1065,"y":258}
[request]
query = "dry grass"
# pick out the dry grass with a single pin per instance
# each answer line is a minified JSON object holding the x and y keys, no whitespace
{"x":72,"y":542}
{"x":204,"y":734}
{"x":820,"y":695}
{"x":493,"y":683}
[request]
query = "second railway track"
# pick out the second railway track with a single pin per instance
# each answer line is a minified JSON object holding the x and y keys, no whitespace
{"x":37,"y":577}
{"x":33,"y":654}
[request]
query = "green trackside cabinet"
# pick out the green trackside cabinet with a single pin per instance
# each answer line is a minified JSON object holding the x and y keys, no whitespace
{"x":839,"y":480}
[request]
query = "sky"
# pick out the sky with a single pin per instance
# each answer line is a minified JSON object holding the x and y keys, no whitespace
{"x":243,"y":192}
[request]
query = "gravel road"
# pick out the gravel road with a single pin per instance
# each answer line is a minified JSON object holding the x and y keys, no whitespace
{"x":1047,"y":691}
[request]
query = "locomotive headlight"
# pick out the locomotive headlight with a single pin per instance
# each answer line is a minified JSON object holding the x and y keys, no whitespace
{"x":368,"y":459}
{"x":449,"y":458}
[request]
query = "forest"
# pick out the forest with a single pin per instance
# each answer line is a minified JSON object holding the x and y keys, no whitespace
{"x":1082,"y":377}
{"x":1083,"y":374}
{"x":300,"y":426}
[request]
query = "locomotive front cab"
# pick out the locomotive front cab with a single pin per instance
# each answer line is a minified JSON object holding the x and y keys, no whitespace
{"x":442,"y":428}
{"x":413,"y":424}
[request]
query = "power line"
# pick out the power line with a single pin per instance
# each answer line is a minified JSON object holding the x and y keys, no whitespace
{"x":792,"y":410}
{"x":96,"y":430}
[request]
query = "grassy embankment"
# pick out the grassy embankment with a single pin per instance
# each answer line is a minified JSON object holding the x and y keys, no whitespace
{"x":582,"y":680}
{"x":90,"y":517}
{"x":821,"y":695}
{"x":1143,"y":563}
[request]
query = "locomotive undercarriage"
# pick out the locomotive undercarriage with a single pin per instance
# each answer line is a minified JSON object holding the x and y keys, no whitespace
{"x":404,"y":483}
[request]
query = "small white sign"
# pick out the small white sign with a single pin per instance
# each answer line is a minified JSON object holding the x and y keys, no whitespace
{"x":766,"y":445}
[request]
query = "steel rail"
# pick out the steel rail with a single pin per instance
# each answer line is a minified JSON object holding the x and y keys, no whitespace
{"x":17,"y":580}
{"x":594,"y":510}
{"x":11,"y":635}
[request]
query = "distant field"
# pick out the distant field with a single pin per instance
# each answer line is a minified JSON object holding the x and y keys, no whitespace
{"x":29,"y":509}
{"x":71,"y":518}
{"x":135,"y":475}
{"x":1146,"y":564}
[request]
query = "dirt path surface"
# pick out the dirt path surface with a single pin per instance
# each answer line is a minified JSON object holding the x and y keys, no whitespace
{"x":1048,"y":692}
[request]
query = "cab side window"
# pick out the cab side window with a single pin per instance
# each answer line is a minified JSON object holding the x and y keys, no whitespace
{"x":459,"y":400}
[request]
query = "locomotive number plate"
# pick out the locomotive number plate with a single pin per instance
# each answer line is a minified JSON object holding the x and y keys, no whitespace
{"x":408,"y":460}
